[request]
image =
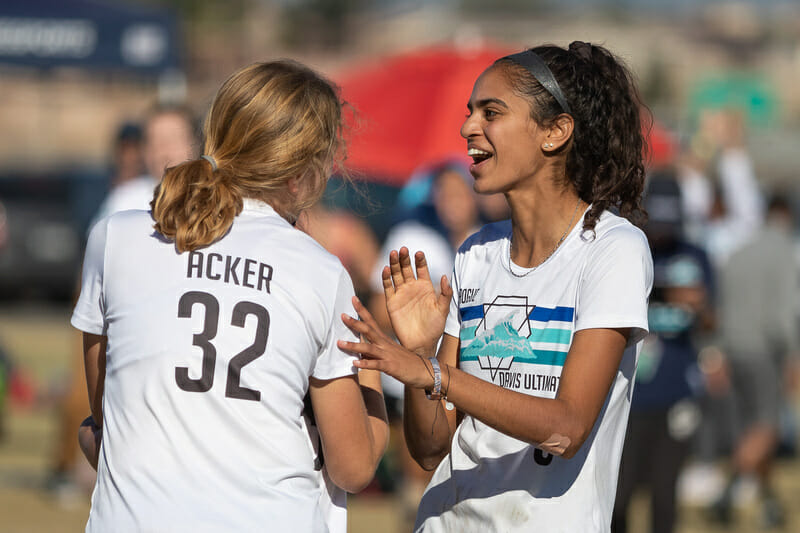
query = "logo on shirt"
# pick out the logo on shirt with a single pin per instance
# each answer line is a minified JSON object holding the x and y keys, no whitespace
{"x":466,"y":296}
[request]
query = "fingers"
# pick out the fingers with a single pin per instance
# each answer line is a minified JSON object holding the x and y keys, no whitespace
{"x":422,"y":266}
{"x":446,"y":293}
{"x":358,"y":327}
{"x":388,"y":286}
{"x":364,"y":314}
{"x":405,"y":265}
{"x":394,"y":267}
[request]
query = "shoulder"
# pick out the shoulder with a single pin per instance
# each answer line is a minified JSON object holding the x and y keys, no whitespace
{"x":126,"y":221}
{"x":618,"y":233}
{"x":487,"y":238}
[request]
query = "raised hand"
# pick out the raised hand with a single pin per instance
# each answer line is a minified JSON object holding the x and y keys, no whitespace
{"x":416,"y":311}
{"x":380,"y":352}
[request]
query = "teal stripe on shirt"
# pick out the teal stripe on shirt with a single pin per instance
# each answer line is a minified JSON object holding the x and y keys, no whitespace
{"x":540,"y":357}
{"x":554,"y":335}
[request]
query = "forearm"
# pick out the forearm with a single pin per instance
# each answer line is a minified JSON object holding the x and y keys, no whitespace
{"x":89,"y":438}
{"x":372,"y":391}
{"x":552,"y":424}
{"x":428,"y":428}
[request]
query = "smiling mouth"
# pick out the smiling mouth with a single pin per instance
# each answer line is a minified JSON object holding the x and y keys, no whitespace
{"x":478,"y":156}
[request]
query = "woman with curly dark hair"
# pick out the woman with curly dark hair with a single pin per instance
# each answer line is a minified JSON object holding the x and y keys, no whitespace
{"x":525,"y":406}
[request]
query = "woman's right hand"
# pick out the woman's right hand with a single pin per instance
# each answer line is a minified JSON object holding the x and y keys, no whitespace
{"x":416,"y":311}
{"x":382,"y":353}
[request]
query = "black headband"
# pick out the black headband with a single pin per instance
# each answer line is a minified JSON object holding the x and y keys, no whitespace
{"x":539,"y":70}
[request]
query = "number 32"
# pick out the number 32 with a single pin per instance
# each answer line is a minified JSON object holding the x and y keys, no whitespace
{"x":241,"y":310}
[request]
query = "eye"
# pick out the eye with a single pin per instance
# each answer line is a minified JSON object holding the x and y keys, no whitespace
{"x":490,"y":113}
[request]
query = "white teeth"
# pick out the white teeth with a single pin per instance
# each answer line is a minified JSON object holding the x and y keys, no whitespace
{"x":472,"y":152}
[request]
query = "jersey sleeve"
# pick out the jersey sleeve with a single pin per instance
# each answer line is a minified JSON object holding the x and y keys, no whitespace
{"x":88,"y":315}
{"x":332,"y":362}
{"x":615,"y":285}
{"x":452,"y":326}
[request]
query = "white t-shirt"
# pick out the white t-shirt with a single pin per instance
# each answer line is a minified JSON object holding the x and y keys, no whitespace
{"x":516,"y":331}
{"x":132,"y":194}
{"x":208,"y":362}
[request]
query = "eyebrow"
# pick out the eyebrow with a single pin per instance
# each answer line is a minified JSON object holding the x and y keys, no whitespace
{"x":487,"y":101}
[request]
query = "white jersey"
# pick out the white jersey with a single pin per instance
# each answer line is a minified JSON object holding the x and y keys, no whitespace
{"x":208,"y":362}
{"x":516,"y":326}
{"x":132,"y":194}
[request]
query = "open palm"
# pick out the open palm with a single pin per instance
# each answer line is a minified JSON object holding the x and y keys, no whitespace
{"x":417,"y":312}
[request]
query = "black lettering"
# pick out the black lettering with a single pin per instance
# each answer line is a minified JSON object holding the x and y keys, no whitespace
{"x":195,"y":263}
{"x":528,"y":381}
{"x":517,"y":380}
{"x":264,"y":278}
{"x":208,"y":266}
{"x":230,"y":269}
{"x":248,"y":264}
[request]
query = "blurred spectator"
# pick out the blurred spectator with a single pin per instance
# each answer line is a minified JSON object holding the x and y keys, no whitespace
{"x":664,"y":412}
{"x":435,"y":212}
{"x":759,"y":296}
{"x":170,"y":137}
{"x":347,"y":237}
{"x":725,"y":208}
{"x":5,"y":382}
{"x":127,"y":158}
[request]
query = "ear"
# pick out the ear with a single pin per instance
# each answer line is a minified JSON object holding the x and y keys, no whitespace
{"x":559,"y":133}
{"x":294,"y":185}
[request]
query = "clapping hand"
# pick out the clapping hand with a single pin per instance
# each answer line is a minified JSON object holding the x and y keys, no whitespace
{"x":415,"y":309}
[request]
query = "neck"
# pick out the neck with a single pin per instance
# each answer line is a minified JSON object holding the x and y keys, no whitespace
{"x":540,"y":222}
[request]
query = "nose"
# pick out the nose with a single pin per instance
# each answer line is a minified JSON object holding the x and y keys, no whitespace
{"x":469,"y":126}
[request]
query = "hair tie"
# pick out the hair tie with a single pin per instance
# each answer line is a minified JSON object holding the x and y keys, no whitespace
{"x":211,"y":160}
{"x":539,"y":70}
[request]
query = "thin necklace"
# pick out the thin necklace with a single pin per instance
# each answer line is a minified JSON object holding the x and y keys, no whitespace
{"x":561,"y":240}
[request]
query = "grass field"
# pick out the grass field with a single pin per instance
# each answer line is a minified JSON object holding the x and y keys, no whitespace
{"x":39,"y":339}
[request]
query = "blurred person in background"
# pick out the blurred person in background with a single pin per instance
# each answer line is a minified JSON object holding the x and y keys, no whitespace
{"x":349,"y":238}
{"x":722,"y":199}
{"x":664,"y":410}
{"x":170,"y":137}
{"x":127,"y":154}
{"x":759,"y":295}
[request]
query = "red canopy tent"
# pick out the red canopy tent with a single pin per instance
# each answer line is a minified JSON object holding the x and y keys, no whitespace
{"x":409,"y":109}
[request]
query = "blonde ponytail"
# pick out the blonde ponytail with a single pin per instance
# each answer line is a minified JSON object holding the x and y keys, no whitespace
{"x":195,"y":205}
{"x":271,"y":124}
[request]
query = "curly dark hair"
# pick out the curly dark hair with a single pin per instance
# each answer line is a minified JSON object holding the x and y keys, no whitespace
{"x":605,"y":158}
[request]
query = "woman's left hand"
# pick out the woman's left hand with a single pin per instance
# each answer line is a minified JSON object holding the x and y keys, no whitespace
{"x":380,"y":352}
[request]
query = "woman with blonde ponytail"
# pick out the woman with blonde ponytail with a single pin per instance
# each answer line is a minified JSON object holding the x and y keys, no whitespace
{"x":204,"y":338}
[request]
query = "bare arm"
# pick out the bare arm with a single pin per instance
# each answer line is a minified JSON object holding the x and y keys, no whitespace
{"x":89,"y":437}
{"x":559,"y":426}
{"x":94,"y":360}
{"x":90,"y":432}
{"x":353,"y":438}
{"x":372,"y":392}
{"x":428,"y":425}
